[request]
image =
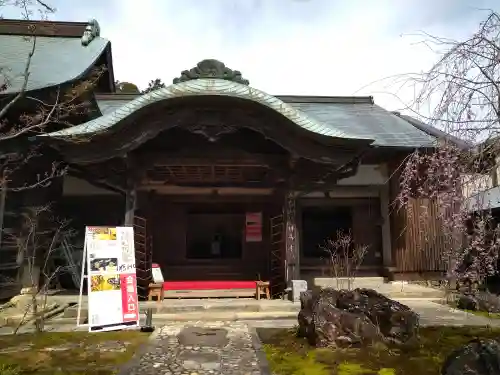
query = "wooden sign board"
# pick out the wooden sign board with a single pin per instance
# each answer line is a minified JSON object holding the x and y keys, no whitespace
{"x":253,"y":227}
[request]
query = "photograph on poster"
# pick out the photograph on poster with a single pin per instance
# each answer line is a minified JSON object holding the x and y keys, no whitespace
{"x":104,"y":234}
{"x":103,"y":283}
{"x":104,"y":264}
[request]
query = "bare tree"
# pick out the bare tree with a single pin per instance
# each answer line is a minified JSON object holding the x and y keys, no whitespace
{"x":39,"y":243}
{"x":56,"y":109}
{"x":344,"y":258}
{"x":462,"y":90}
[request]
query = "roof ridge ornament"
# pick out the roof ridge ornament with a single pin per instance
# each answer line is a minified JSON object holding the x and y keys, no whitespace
{"x":92,"y":31}
{"x":211,"y":69}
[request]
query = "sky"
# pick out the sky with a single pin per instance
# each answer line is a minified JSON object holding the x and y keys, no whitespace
{"x":284,"y":47}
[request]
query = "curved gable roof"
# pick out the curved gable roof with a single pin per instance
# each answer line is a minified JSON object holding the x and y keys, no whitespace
{"x":358,"y":116}
{"x":205,"y":87}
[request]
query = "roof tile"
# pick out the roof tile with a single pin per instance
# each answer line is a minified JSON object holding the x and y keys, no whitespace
{"x":361,"y":118}
{"x":56,"y":60}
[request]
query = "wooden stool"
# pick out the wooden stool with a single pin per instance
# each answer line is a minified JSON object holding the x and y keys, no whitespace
{"x":262,"y":287}
{"x":155,"y":290}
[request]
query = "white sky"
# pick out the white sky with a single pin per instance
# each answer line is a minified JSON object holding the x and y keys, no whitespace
{"x":292,"y":47}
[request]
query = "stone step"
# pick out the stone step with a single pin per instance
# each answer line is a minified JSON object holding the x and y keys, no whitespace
{"x":205,"y":306}
{"x":162,"y":318}
{"x":415,"y":295}
{"x":344,"y":282}
{"x":226,"y":316}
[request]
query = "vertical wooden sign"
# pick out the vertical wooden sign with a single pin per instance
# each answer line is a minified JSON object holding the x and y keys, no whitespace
{"x":253,"y":227}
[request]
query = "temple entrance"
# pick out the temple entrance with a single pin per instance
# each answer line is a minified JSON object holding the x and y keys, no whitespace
{"x":215,"y":179}
{"x":209,"y":238}
{"x":215,"y":235}
{"x":206,"y":245}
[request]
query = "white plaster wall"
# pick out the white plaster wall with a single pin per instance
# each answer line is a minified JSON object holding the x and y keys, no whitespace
{"x":473,"y":184}
{"x":73,"y":186}
{"x":368,"y":174}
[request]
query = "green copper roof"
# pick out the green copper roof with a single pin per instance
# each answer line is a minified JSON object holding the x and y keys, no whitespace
{"x":206,"y":87}
{"x":56,"y":60}
{"x":358,"y":117}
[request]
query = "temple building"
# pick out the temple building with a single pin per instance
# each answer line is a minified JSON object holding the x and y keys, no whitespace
{"x":225,"y":182}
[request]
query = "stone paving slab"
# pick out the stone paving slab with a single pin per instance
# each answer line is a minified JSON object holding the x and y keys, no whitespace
{"x":436,"y":314}
{"x":198,"y":348}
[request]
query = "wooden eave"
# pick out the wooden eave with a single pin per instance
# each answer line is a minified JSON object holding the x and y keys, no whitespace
{"x":42,"y":28}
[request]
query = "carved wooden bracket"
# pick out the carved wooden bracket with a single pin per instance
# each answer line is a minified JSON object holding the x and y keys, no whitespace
{"x":208,"y":123}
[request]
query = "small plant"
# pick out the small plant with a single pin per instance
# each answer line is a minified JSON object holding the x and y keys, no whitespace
{"x":352,"y":369}
{"x":345,"y":258}
{"x":9,"y":370}
{"x":386,"y":371}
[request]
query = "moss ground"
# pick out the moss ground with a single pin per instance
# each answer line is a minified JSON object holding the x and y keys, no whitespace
{"x":71,"y":353}
{"x":289,"y":355}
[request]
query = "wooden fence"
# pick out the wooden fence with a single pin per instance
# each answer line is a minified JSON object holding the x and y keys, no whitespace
{"x":420,"y":243}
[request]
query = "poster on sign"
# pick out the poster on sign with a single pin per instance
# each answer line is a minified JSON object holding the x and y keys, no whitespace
{"x":112,"y":283}
{"x":253,"y":227}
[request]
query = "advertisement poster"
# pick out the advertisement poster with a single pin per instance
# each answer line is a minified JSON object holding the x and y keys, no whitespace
{"x":112,"y":282}
{"x":253,"y":227}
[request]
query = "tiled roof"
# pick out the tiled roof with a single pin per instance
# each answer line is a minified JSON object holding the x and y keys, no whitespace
{"x":208,"y":87}
{"x":357,"y":116}
{"x":435,"y":132}
{"x":366,"y":120}
{"x":56,"y":60}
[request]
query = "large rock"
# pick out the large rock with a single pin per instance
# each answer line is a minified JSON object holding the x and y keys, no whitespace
{"x":479,"y":301}
{"x":333,"y":317}
{"x":478,"y":357}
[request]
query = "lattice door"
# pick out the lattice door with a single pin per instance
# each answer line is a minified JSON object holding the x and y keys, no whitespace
{"x":277,"y":260}
{"x":143,"y":256}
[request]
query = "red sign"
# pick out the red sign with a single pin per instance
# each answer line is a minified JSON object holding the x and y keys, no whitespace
{"x":130,"y":302}
{"x":253,"y":227}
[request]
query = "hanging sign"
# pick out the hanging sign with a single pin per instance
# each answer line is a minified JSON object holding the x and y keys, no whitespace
{"x":253,"y":227}
{"x":112,"y":283}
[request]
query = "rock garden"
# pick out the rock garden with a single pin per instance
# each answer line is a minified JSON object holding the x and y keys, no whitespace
{"x":362,"y":332}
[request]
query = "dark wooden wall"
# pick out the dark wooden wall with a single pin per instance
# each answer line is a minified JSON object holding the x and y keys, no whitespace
{"x":92,"y":210}
{"x":366,"y":231}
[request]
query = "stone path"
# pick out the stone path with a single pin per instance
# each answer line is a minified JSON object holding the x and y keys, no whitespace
{"x":198,"y":348}
{"x":436,"y":314}
{"x":104,"y":346}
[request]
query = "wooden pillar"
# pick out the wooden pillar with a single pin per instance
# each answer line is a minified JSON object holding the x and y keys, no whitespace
{"x":292,"y":270}
{"x":386,"y":228}
{"x":298,"y":231}
{"x":3,"y":196}
{"x":130,"y":193}
{"x":130,"y":205}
